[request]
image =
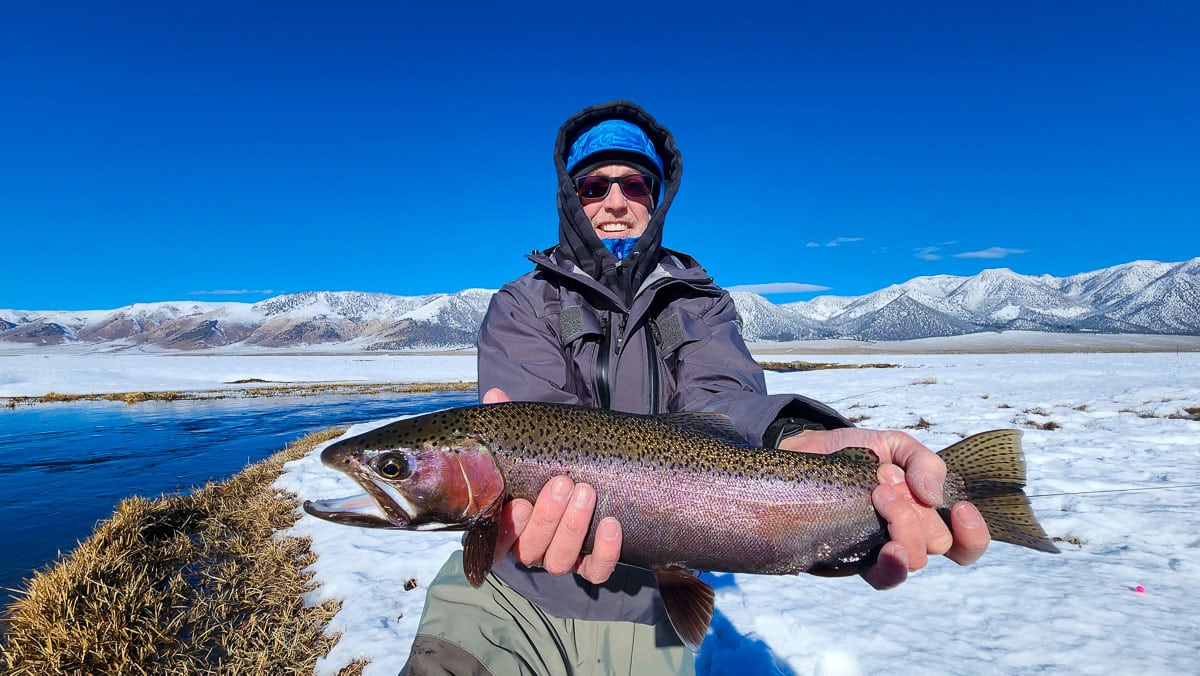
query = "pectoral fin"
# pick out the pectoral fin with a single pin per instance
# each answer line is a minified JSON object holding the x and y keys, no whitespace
{"x":689,"y":604}
{"x":479,"y":548}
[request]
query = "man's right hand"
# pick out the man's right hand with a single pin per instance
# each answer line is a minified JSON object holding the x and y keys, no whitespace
{"x":550,"y":532}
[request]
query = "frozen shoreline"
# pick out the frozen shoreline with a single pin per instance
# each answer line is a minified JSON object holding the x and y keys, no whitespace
{"x":33,"y":371}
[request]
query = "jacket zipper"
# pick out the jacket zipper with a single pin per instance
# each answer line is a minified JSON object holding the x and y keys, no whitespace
{"x":602,"y":359}
{"x":605,"y":349}
{"x":652,"y":360}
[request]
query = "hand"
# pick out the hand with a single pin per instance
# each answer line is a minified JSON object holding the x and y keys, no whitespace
{"x":911,"y":478}
{"x":550,"y":532}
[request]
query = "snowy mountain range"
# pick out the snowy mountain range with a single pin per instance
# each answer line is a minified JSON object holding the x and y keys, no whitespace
{"x":1142,"y":297}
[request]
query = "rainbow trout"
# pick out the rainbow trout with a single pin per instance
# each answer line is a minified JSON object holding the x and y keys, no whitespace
{"x":687,"y":490}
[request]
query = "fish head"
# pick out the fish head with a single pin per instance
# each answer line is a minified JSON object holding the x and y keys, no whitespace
{"x":444,"y":483}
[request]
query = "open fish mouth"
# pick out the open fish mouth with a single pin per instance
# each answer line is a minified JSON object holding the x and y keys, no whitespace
{"x":364,"y":510}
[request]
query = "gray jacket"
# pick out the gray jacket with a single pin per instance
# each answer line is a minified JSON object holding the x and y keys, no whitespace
{"x":649,"y":334}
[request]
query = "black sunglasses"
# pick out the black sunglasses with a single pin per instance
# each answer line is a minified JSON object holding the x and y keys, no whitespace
{"x":597,"y":187}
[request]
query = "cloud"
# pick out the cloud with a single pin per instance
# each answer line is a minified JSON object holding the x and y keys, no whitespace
{"x":777,"y":287}
{"x":836,"y":241}
{"x":929,"y":253}
{"x":991,"y":252}
{"x":843,"y":240}
{"x":231,"y":292}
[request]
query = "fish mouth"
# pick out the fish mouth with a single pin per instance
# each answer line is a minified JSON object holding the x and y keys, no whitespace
{"x":363,"y":510}
{"x":381,"y":506}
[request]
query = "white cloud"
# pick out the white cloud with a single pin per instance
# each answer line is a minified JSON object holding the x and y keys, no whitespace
{"x":836,"y":241}
{"x":991,"y":252}
{"x":777,"y":287}
{"x":929,"y":253}
{"x":843,"y":240}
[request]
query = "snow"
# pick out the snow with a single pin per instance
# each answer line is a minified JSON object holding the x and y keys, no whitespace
{"x":28,"y":373}
{"x":1120,"y":423}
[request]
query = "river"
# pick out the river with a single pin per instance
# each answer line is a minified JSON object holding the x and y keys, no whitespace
{"x":64,"y":467}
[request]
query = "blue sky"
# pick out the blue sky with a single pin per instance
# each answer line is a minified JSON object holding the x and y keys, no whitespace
{"x":232,"y":151}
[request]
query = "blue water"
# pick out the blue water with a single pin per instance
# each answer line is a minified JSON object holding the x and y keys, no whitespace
{"x":64,"y":467}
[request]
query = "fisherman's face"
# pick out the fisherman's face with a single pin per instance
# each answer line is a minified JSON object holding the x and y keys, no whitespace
{"x":616,"y":215}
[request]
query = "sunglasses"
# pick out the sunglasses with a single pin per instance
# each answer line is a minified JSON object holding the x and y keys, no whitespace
{"x":597,"y":187}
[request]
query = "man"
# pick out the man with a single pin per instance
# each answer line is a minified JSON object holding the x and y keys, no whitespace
{"x":610,"y":318}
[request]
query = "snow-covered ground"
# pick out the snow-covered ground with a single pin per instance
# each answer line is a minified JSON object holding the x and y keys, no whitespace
{"x":32,"y":374}
{"x":1016,"y":610}
{"x":1119,"y":421}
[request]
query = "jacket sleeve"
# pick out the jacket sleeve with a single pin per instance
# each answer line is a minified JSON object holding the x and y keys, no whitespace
{"x":716,"y":373}
{"x":520,"y":353}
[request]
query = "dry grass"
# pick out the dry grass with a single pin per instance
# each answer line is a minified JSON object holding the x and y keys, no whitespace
{"x":1185,"y":413}
{"x":275,"y":390}
{"x":789,"y":366}
{"x":1048,"y":425}
{"x":189,"y":584}
{"x":921,"y":424}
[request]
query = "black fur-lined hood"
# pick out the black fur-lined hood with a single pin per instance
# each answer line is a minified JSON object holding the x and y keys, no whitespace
{"x":577,"y":239}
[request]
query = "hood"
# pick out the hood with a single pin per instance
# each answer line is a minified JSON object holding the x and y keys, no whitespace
{"x":577,"y":241}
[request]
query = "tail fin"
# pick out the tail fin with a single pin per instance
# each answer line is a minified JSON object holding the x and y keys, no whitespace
{"x":993,"y":468}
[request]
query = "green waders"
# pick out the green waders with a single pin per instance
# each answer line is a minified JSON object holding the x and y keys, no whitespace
{"x":494,"y":630}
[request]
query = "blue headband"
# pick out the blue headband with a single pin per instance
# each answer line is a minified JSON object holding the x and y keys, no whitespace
{"x":613,"y":135}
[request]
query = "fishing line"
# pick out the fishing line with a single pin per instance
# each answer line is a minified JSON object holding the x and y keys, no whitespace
{"x":863,"y":394}
{"x":1117,"y":490}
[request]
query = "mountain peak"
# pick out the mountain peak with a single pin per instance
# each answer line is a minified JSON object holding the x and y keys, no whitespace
{"x":1135,"y":297}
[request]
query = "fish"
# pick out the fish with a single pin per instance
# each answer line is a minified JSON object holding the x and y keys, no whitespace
{"x":688,"y":490}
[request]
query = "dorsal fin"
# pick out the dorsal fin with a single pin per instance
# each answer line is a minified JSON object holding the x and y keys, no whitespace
{"x":716,"y":425}
{"x":856,"y":454}
{"x":689,"y":604}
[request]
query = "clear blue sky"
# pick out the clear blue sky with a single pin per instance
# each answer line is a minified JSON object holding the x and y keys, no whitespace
{"x":156,"y":151}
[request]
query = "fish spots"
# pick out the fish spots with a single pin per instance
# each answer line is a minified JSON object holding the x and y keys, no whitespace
{"x":562,"y":436}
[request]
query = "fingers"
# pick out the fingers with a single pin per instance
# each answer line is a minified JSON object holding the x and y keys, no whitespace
{"x":916,"y":531}
{"x":895,"y":504}
{"x":890,"y":569}
{"x":598,"y":566}
{"x":566,"y":545}
{"x":551,"y":532}
{"x":513,"y":520}
{"x":924,"y":471}
{"x":971,"y":535}
{"x":531,"y":545}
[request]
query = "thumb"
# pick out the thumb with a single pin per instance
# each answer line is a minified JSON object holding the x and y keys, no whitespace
{"x":494,"y":396}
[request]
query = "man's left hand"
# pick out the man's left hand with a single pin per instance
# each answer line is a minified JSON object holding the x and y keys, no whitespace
{"x":910,"y":478}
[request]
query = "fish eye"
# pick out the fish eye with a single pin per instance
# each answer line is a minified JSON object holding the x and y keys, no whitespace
{"x":394,"y":467}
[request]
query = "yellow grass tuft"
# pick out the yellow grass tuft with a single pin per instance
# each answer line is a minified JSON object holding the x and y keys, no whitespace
{"x":270,"y":390}
{"x":800,"y":365}
{"x":188,"y":584}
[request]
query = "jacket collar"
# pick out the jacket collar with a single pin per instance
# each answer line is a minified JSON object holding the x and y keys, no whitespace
{"x":673,"y":267}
